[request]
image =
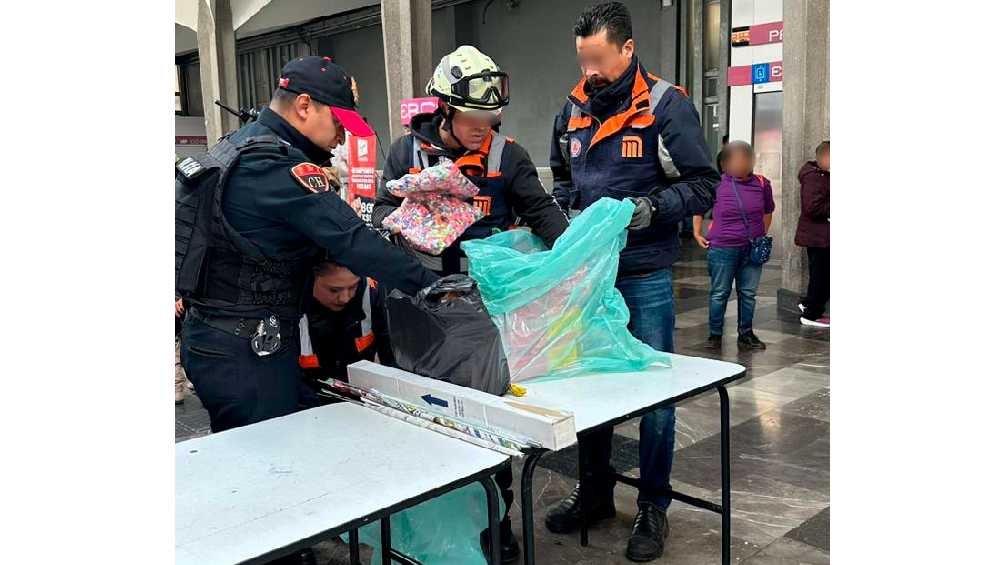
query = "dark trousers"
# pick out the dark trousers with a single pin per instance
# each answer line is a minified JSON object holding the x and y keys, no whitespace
{"x":819,"y":282}
{"x":235,"y":385}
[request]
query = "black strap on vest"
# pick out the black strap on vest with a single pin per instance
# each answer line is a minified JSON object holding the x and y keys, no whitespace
{"x":199,"y":183}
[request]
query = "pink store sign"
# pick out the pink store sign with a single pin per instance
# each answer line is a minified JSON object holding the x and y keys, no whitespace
{"x":762,"y":34}
{"x":410,"y":107}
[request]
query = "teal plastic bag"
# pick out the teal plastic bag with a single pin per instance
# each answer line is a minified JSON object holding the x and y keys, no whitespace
{"x":445,"y":530}
{"x":557,"y":309}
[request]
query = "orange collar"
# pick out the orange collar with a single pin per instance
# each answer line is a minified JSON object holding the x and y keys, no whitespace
{"x":640,"y":101}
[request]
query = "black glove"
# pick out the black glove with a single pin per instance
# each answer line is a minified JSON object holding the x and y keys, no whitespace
{"x":644,"y":211}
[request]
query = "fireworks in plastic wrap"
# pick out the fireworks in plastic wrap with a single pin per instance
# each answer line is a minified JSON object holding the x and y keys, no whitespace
{"x":433,"y":214}
{"x":558,"y":311}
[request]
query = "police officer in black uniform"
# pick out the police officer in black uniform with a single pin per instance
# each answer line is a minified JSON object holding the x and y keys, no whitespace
{"x":472,"y":91}
{"x":252,"y":218}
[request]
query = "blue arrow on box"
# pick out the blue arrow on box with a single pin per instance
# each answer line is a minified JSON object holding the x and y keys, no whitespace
{"x":429,"y":399}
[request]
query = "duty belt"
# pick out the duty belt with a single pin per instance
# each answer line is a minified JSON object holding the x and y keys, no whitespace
{"x":240,"y":327}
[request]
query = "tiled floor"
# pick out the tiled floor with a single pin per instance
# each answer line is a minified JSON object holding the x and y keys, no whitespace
{"x":780,"y":447}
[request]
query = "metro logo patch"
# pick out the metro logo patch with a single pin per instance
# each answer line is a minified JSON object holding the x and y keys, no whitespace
{"x":484,"y":205}
{"x":575,"y":147}
{"x":311,"y":177}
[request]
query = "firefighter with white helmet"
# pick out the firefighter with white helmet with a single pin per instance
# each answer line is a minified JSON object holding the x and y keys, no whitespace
{"x":465,"y":128}
{"x":472,"y":91}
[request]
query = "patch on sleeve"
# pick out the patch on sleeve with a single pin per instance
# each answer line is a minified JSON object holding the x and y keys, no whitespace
{"x":311,"y":177}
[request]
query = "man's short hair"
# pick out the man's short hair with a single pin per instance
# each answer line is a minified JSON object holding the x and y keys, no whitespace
{"x":283,"y":99}
{"x":611,"y":16}
{"x":823,"y":148}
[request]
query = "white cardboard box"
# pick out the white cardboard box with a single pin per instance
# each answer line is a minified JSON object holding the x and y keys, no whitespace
{"x":554,"y":429}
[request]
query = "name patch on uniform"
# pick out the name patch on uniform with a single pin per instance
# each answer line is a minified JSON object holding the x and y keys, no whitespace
{"x":575,"y":147}
{"x":311,"y":177}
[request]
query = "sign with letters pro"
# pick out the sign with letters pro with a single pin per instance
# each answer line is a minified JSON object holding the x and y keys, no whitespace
{"x":362,"y":173}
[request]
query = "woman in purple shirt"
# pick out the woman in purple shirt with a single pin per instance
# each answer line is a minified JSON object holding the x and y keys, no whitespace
{"x":728,"y":242}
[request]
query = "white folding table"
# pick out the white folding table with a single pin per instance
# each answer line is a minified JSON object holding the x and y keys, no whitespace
{"x":256,"y":493}
{"x":606,"y":399}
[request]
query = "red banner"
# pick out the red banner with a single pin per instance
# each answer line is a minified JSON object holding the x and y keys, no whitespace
{"x":362,"y":173}
{"x":762,"y":34}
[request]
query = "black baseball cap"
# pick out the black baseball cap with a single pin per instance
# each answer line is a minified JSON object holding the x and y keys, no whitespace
{"x":328,"y":84}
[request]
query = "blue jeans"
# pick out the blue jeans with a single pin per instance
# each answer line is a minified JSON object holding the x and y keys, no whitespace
{"x":649,"y":298}
{"x":727,"y":265}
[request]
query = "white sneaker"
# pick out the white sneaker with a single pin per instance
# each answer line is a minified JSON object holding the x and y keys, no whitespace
{"x":823,"y":322}
{"x":801,"y":307}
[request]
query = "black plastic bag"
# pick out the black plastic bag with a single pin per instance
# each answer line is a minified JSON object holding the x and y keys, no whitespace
{"x":445,"y":333}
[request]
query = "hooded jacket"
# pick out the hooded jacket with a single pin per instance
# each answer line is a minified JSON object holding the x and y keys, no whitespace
{"x":814,"y":222}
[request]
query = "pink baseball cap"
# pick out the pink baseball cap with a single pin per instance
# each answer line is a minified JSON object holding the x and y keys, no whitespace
{"x":327,"y":83}
{"x":353,"y":122}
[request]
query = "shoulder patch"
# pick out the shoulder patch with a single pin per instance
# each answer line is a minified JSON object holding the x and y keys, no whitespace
{"x":190,"y":168}
{"x":311,"y":177}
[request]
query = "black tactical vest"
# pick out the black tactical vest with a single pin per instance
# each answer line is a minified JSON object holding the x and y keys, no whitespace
{"x":214,"y":265}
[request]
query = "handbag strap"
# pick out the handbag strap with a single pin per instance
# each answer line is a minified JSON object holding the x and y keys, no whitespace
{"x":742,"y":209}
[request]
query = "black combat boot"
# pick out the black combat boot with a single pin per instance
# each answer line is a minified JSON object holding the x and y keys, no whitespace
{"x":567,"y":516}
{"x":749,"y":341}
{"x":510,"y":547}
{"x":648,"y":534}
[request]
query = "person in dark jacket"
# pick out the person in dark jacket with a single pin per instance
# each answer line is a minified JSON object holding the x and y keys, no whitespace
{"x":465,"y":129}
{"x":624,"y":133}
{"x":472,"y":91}
{"x":343,"y":323}
{"x":813,"y":233}
{"x":275,"y":216}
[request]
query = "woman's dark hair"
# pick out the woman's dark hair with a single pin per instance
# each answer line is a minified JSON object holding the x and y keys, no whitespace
{"x":611,"y":16}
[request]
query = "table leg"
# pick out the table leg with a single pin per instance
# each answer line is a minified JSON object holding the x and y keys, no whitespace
{"x":726,"y":448}
{"x":583,"y":493}
{"x":354,"y":547}
{"x":493,"y":521}
{"x":385,"y":540}
{"x":526,"y":498}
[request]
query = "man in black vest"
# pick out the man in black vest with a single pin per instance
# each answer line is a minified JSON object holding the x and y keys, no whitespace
{"x":245,"y":265}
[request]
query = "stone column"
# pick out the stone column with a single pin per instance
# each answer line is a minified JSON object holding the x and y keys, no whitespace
{"x":805,"y":122}
{"x":407,"y":52}
{"x":217,"y":67}
{"x":669,"y":16}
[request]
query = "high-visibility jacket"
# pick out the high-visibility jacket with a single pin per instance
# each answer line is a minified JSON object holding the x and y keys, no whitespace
{"x":652,"y":146}
{"x":331,"y":341}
